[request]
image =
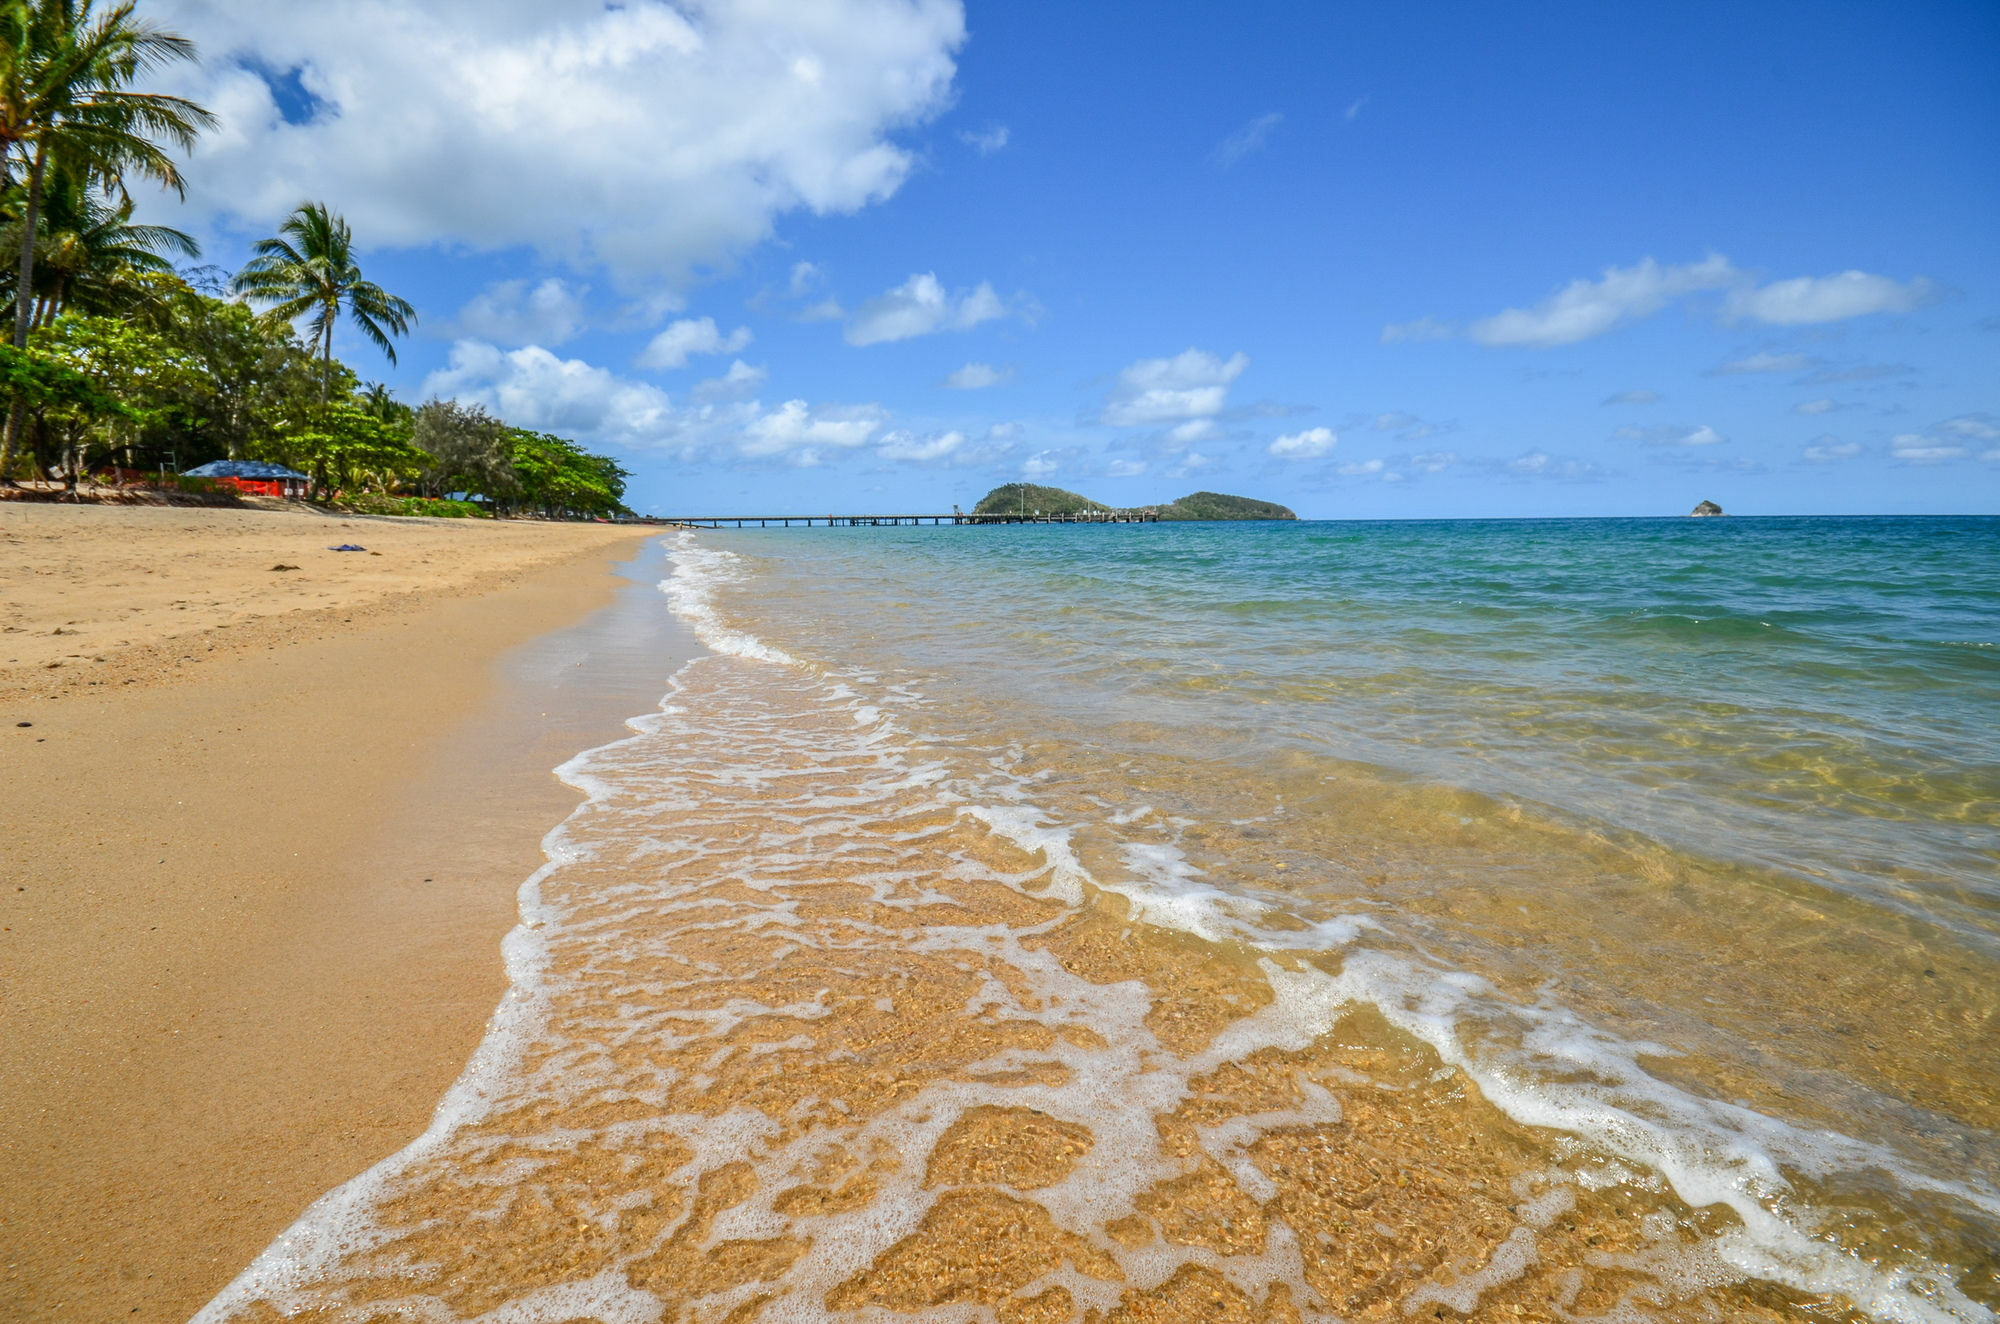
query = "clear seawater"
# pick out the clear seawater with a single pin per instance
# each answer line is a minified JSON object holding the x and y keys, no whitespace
{"x":1665,"y":854}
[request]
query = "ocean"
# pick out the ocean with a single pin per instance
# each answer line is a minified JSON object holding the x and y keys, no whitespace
{"x":1568,"y":919}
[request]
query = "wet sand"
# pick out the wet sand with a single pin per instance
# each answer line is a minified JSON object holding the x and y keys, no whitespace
{"x":258,"y":869}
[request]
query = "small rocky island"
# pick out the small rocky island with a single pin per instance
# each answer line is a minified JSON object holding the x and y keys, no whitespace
{"x":1033,"y":498}
{"x":1706,"y":508}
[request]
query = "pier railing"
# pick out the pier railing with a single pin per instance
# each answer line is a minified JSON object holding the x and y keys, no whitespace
{"x":875,"y":521}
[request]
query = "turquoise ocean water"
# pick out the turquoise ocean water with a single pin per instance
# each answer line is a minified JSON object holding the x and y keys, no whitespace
{"x":1706,"y":813}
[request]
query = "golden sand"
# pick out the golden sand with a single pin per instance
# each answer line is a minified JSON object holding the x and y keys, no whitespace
{"x":250,"y":922}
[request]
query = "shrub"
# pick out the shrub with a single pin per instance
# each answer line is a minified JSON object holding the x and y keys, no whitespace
{"x":411,"y":505}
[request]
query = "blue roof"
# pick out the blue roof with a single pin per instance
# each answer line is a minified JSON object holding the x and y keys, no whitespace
{"x":242,"y":469}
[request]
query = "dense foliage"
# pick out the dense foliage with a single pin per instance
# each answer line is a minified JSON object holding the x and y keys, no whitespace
{"x":1215,"y":505}
{"x":119,"y":361}
{"x":1034,"y":499}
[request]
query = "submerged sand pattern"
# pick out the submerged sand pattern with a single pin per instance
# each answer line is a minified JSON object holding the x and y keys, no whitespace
{"x":813,"y":1019}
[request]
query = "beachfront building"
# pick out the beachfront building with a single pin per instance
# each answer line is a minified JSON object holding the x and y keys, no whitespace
{"x":255,"y":477}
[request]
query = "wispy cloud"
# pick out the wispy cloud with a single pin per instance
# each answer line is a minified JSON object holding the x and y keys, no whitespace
{"x":1418,"y":328}
{"x":920,"y":306}
{"x":1586,"y":308}
{"x":1832,"y":374}
{"x":1250,"y":138}
{"x":1637,"y":397}
{"x":1541,"y":464}
{"x":1952,"y":439}
{"x":1831,"y":450}
{"x":1354,"y":109}
{"x":1811,"y":407}
{"x":739,"y":383}
{"x":1704,"y":435}
{"x":985,"y":141}
{"x":977,"y":377}
{"x":1806,"y":300}
{"x":1762,"y":362}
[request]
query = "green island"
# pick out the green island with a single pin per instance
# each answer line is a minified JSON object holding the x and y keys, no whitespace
{"x":1037,"y":499}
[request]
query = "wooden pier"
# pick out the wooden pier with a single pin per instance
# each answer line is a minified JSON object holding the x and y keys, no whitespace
{"x":878,"y":521}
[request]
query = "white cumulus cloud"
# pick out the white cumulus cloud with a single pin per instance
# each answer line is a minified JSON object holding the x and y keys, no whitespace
{"x":689,"y":336}
{"x":1041,"y":464}
{"x":648,"y":137}
{"x":1307,"y":445}
{"x":923,"y":450}
{"x":1361,"y":468}
{"x":1586,"y":308}
{"x":920,"y":306}
{"x":796,"y":427}
{"x":511,"y":312}
{"x":531,"y":387}
{"x":1124,"y":468}
{"x":534,"y":388}
{"x":1806,"y":300}
{"x":1193,"y":384}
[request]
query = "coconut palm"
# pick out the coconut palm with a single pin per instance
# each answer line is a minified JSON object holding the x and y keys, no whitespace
{"x":66,"y":75}
{"x":90,"y":252}
{"x":310,"y":268}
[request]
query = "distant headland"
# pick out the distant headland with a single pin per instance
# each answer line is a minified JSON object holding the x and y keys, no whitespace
{"x":1034,"y":498}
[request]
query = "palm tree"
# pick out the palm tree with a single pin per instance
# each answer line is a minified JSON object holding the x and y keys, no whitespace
{"x":90,"y":252}
{"x":310,"y":268}
{"x":66,"y":74}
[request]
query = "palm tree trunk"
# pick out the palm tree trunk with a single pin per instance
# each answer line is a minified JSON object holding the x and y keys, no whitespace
{"x":17,"y":411}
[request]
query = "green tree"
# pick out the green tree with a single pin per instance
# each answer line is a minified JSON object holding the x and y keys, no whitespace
{"x":468,"y":448}
{"x":310,"y":268}
{"x":558,"y":477}
{"x":67,"y":71}
{"x":347,"y":448}
{"x":138,"y":377}
{"x":89,"y":252}
{"x":254,"y":372}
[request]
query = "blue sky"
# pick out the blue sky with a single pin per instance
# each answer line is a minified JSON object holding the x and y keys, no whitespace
{"x":1369,"y":261}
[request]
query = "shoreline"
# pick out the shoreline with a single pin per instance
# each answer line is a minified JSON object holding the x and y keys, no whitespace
{"x":253,"y":930}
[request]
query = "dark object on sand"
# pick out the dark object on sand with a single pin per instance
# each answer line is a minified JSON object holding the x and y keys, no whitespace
{"x":357,"y":547}
{"x":282,"y":566}
{"x":24,"y":724}
{"x":1706,"y":508}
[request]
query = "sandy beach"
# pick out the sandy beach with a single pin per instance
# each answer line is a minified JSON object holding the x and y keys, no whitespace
{"x":265,"y":829}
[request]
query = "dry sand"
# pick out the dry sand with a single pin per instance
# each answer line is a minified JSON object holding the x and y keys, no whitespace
{"x":262,"y":840}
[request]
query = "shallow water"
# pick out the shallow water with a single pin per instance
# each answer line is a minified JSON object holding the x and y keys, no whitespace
{"x":1563,"y":920}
